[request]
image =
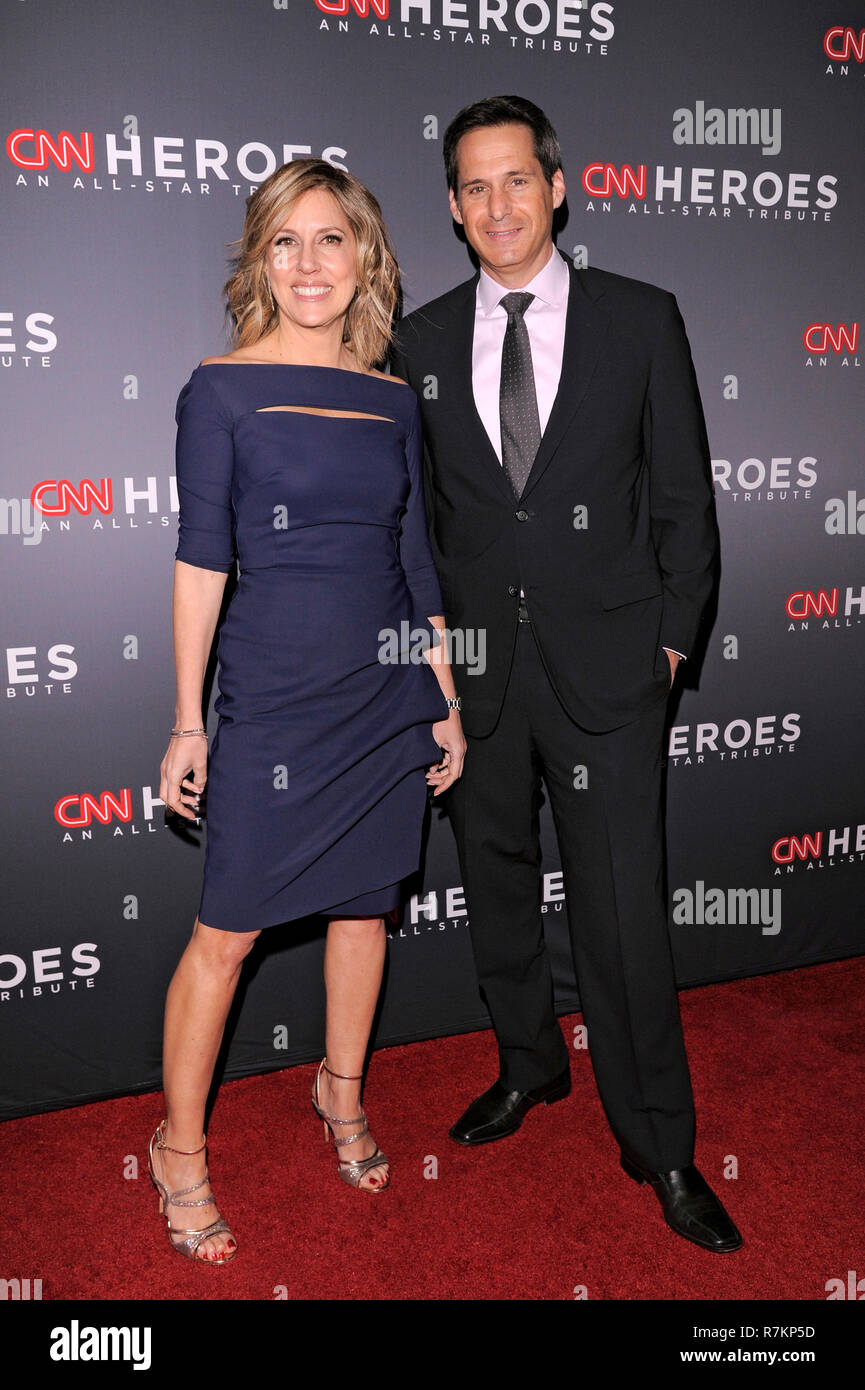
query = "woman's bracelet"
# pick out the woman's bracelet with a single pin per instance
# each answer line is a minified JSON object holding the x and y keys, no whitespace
{"x":183,"y":733}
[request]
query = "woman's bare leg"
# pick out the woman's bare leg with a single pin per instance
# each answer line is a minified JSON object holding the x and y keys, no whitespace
{"x":353,"y":964}
{"x":197,"y":1005}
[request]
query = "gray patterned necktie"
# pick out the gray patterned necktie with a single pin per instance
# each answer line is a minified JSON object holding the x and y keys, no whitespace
{"x":518,"y":404}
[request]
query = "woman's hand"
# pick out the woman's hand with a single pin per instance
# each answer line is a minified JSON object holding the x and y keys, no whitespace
{"x":449,"y":736}
{"x":177,"y":790}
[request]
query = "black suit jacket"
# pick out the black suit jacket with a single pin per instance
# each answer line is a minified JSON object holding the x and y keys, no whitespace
{"x":607,"y":587}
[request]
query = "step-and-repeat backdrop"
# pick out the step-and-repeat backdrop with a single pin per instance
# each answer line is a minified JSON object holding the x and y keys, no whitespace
{"x":716,"y":150}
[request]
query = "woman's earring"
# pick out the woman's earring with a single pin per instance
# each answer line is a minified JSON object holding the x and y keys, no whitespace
{"x":270,"y":292}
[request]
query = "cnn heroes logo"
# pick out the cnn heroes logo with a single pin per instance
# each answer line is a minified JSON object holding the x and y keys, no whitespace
{"x":29,"y":339}
{"x":844,"y":46}
{"x":778,"y":479}
{"x":708,"y":191}
{"x":554,"y":26}
{"x":819,"y":849}
{"x":51,"y":970}
{"x":767,"y":196}
{"x":82,"y":811}
{"x":108,"y":504}
{"x":762,"y":736}
{"x":440,"y":909}
{"x":833,"y":608}
{"x":29,"y":671}
{"x":166,"y":163}
{"x":830,"y":344}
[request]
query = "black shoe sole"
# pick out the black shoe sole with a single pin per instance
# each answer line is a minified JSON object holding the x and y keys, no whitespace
{"x":634,"y":1172}
{"x":558,"y":1092}
{"x":489,"y":1139}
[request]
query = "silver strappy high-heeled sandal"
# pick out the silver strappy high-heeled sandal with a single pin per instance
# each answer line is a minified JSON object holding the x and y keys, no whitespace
{"x":351,"y":1171}
{"x":193,"y":1239}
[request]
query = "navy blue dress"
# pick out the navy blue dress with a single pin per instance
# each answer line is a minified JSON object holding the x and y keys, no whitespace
{"x":316,"y":788}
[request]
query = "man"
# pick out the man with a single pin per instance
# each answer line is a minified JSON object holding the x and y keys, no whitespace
{"x":572,"y":519}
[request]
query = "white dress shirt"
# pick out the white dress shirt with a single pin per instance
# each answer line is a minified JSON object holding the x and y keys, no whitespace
{"x":545,"y":320}
{"x":545,"y":324}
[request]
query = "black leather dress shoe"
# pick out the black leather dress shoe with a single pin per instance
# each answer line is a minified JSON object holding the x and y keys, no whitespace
{"x":499,"y":1112}
{"x":690,"y":1206}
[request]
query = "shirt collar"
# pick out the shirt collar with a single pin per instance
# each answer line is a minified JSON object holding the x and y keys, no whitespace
{"x":550,"y":286}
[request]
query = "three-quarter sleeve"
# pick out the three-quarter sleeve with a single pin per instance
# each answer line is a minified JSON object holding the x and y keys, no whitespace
{"x":204,"y":465}
{"x":414,"y":545}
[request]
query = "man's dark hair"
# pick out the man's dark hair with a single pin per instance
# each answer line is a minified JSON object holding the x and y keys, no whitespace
{"x":507,"y":110}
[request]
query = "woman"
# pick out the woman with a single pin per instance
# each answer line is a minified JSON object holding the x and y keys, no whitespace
{"x":298,"y":456}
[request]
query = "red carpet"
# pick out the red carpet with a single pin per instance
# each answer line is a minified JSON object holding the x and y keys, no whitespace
{"x":777,"y":1065}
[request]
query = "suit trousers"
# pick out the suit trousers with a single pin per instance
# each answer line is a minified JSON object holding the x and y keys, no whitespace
{"x":606,"y":800}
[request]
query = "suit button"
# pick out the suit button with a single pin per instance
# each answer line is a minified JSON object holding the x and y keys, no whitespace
{"x":522,"y":515}
{"x":512,"y":590}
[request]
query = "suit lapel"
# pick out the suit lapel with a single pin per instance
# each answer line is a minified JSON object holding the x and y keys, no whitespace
{"x":586,"y":326}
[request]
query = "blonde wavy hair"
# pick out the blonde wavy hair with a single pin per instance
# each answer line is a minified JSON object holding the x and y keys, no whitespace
{"x":369,"y":320}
